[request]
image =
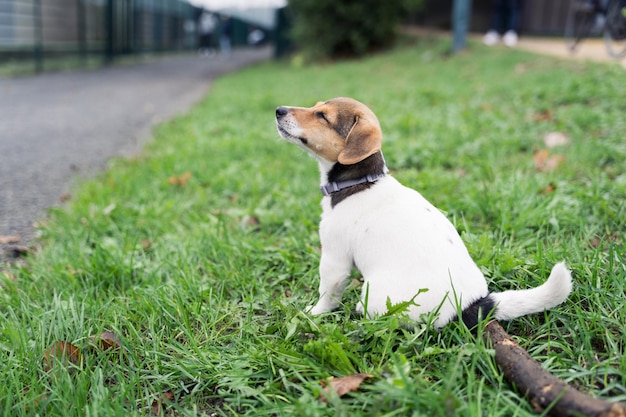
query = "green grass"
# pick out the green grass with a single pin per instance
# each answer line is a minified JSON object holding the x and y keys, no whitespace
{"x":204,"y":283}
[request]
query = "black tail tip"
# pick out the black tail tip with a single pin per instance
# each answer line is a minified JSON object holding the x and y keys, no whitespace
{"x":477,"y":311}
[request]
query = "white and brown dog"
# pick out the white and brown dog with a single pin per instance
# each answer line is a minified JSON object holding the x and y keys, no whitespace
{"x":399,"y":242}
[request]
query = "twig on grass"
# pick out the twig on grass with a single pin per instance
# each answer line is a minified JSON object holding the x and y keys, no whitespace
{"x":544,"y":390}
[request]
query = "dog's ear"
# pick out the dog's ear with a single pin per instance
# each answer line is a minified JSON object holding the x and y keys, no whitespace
{"x":364,"y":139}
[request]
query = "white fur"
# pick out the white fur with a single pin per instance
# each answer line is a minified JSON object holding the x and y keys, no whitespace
{"x":402,"y":244}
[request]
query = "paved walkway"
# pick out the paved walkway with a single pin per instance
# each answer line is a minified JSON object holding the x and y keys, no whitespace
{"x":59,"y":126}
{"x":589,"y":49}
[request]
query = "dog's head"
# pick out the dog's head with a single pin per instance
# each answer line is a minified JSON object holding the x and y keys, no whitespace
{"x":338,"y":130}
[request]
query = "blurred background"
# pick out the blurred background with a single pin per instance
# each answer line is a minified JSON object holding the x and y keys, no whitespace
{"x":44,"y":34}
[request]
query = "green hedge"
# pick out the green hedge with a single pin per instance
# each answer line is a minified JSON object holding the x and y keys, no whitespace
{"x":332,"y":28}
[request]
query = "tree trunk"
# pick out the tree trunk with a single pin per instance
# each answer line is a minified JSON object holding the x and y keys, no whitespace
{"x":544,"y":390}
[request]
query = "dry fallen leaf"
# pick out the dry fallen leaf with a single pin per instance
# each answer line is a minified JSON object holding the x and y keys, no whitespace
{"x":157,"y":404}
{"x":543,"y":116}
{"x":5,"y":240}
{"x":146,"y":244}
{"x":554,"y":139}
{"x":540,"y":158}
{"x":105,"y":341}
{"x":546,"y":162}
{"x":252,"y":221}
{"x":343,"y":385}
{"x":550,"y":188}
{"x":64,"y":354}
{"x":554,"y":162}
{"x":109,"y":341}
{"x":180,"y":180}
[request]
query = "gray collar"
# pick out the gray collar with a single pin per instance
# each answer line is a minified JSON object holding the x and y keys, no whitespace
{"x":333,"y":187}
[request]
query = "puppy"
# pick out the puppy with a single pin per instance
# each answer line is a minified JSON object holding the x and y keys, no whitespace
{"x":399,"y":242}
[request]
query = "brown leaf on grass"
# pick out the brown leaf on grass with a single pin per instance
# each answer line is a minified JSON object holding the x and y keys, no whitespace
{"x":554,"y":162}
{"x":540,"y":157}
{"x":157,"y":405}
{"x":595,"y":242}
{"x":543,"y":116}
{"x":343,"y":385}
{"x":546,"y":162}
{"x":146,"y":244}
{"x":252,"y":221}
{"x":64,"y":354}
{"x":614,"y":237}
{"x":180,"y":180}
{"x":8,"y":239}
{"x":550,"y":188}
{"x":554,"y":139}
{"x":105,"y":341}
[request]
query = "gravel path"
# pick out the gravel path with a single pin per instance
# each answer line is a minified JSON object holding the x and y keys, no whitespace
{"x":57,"y":127}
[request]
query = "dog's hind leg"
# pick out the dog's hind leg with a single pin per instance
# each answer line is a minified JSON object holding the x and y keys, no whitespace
{"x":334,"y":273}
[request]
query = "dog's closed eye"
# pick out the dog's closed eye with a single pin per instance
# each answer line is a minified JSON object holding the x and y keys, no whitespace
{"x":321,"y":115}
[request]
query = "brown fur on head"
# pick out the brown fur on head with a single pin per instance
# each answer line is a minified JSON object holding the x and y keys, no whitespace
{"x":339,"y":130}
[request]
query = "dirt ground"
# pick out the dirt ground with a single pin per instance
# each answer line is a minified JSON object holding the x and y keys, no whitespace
{"x":589,"y":49}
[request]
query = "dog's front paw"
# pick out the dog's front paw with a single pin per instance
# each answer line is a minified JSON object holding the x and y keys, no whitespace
{"x":319,"y":308}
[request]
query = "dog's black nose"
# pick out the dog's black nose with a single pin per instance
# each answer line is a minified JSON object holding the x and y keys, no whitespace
{"x":281,"y":111}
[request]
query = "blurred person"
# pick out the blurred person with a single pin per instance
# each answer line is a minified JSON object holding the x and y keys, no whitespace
{"x":599,"y":8}
{"x":505,"y":20}
{"x":207,"y":26}
{"x":225,"y":31}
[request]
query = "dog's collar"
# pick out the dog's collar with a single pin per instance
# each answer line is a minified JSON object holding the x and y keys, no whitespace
{"x":333,"y":187}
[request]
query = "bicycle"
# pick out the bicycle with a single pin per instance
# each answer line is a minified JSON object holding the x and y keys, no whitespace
{"x":597,"y":17}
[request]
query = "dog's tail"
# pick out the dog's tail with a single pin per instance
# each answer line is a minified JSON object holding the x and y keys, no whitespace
{"x":516,"y":303}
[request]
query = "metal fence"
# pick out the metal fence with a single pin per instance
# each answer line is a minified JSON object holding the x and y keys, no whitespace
{"x":542,"y":17}
{"x":41,"y":31}
{"x":539,"y":17}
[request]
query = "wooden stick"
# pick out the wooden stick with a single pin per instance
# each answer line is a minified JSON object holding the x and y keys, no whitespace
{"x":544,"y":390}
